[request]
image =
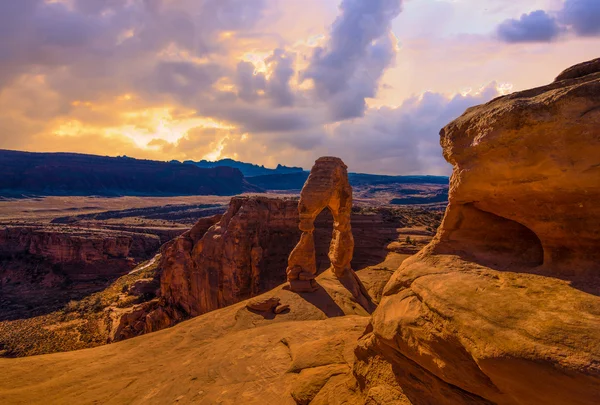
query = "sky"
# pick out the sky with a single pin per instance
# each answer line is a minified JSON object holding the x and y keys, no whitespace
{"x":273,"y":81}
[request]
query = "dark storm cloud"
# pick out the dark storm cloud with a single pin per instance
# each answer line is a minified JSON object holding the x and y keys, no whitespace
{"x":583,"y":16}
{"x":183,"y":79}
{"x":359,"y":50}
{"x":536,"y":26}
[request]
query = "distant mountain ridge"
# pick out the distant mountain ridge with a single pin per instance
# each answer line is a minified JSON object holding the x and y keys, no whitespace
{"x":247,"y":169}
{"x":29,"y":173}
{"x":295,"y":181}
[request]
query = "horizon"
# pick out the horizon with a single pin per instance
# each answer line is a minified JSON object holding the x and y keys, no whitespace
{"x":273,"y":82}
{"x":211,"y":161}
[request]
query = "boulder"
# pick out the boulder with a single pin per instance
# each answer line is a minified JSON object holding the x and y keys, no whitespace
{"x":263,"y":304}
{"x":144,"y":286}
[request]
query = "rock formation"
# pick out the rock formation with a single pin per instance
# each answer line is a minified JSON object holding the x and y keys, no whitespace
{"x":44,"y":266}
{"x":224,"y":260}
{"x":327,"y":187}
{"x":503,"y":307}
{"x":204,"y":270}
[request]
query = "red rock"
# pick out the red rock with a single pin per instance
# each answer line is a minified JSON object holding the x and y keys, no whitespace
{"x":263,"y":304}
{"x":503,"y":306}
{"x":327,"y":187}
{"x":281,"y":308}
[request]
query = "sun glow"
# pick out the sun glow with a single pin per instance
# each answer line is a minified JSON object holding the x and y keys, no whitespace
{"x":140,"y":125}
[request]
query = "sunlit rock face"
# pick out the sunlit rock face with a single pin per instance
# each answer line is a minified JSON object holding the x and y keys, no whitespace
{"x":237,"y":257}
{"x":503,"y":306}
{"x":327,"y":187}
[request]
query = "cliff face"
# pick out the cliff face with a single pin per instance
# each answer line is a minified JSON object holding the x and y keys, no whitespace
{"x":243,"y":254}
{"x":65,"y":246}
{"x":503,"y":306}
{"x":40,"y":264}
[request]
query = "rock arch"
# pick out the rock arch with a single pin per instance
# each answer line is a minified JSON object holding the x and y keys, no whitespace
{"x":327,"y":187}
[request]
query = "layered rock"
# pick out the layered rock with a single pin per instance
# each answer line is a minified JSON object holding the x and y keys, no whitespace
{"x":231,"y":261}
{"x":327,"y":187}
{"x":42,"y":267}
{"x":77,"y":246}
{"x":502,"y":307}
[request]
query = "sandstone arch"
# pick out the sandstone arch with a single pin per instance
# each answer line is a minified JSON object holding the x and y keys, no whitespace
{"x":327,"y":187}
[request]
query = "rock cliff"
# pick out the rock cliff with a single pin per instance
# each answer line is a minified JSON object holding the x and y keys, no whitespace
{"x":53,"y":263}
{"x":233,"y":260}
{"x":502,"y":306}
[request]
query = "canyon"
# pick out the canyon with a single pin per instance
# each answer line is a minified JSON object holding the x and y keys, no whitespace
{"x":500,"y":306}
{"x":221,"y":260}
{"x":43,"y":268}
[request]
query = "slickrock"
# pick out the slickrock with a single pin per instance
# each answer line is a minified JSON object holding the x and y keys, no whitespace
{"x":503,"y":305}
{"x":281,"y":308}
{"x":327,"y":187}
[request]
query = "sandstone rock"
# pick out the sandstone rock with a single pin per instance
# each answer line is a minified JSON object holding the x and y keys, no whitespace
{"x":326,"y":187}
{"x":78,"y":247}
{"x":240,"y":256}
{"x":312,"y":380}
{"x":42,"y":267}
{"x":263,"y":304}
{"x":304,"y":286}
{"x":580,"y":70}
{"x":281,"y":308}
{"x":144,"y":286}
{"x":147,"y":317}
{"x":503,"y":307}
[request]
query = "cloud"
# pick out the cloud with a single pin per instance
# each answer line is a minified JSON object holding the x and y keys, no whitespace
{"x":360,"y":48}
{"x":583,"y":16}
{"x":247,"y":82}
{"x":282,"y":68}
{"x":537,"y":26}
{"x":578,"y":17}
{"x":404,"y":139}
{"x":187,"y":79}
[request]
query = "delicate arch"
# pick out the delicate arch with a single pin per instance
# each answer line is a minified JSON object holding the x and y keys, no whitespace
{"x":327,"y":187}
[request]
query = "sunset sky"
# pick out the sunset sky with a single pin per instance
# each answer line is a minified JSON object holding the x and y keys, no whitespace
{"x":273,"y":81}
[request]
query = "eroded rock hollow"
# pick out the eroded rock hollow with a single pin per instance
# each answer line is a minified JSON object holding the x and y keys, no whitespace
{"x":503,"y":305}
